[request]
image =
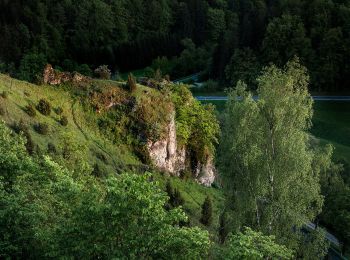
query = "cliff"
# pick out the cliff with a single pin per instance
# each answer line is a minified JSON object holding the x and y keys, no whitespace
{"x":169,"y":157}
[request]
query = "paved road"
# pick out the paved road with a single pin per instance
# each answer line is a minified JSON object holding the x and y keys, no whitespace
{"x":316,"y":98}
{"x":331,"y":238}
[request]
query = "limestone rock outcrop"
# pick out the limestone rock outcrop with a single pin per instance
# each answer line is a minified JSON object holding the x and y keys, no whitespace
{"x":168,"y":157}
{"x":53,"y":77}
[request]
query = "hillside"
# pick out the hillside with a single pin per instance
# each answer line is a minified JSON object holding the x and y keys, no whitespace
{"x":110,"y":146}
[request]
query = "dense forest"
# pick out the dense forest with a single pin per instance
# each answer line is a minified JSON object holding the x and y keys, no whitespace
{"x":226,"y":39}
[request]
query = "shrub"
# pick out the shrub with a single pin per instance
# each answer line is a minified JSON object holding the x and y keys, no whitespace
{"x":101,"y":157}
{"x":51,"y":148}
{"x":44,"y":107}
{"x":177,"y":199}
{"x":42,"y":128}
{"x":31,"y":67}
{"x":103,"y":72}
{"x":223,"y":227}
{"x":59,"y":111}
{"x":20,"y":127}
{"x":30,"y":110}
{"x":2,"y":111}
{"x":64,"y":121}
{"x":84,"y":69}
{"x":30,"y":145}
{"x":131,"y":83}
{"x":207,"y":212}
{"x":4,"y":94}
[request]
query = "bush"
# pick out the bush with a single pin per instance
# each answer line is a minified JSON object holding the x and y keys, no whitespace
{"x":42,"y":128}
{"x":51,"y":148}
{"x":64,"y":121}
{"x":177,"y":199}
{"x":131,"y":83}
{"x":84,"y":69}
{"x":20,"y":127}
{"x":30,"y":145}
{"x":4,"y":94}
{"x":223,"y":227}
{"x":59,"y":111}
{"x":31,"y":67}
{"x":44,"y":107}
{"x":103,"y":72}
{"x":207,"y":212}
{"x":30,"y":110}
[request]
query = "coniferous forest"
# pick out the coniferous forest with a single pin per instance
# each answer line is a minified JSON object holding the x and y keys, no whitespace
{"x":175,"y":129}
{"x":216,"y":36}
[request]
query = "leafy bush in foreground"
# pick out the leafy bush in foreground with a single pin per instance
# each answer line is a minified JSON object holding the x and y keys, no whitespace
{"x":48,"y":211}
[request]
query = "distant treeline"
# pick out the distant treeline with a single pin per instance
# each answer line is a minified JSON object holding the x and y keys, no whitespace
{"x":230,"y":39}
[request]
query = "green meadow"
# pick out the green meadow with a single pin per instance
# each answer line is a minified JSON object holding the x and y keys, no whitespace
{"x":331,"y":124}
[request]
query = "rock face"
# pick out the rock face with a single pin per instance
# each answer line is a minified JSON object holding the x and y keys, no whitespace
{"x":168,"y":157}
{"x":164,"y":153}
{"x":52,"y":77}
{"x":205,"y":173}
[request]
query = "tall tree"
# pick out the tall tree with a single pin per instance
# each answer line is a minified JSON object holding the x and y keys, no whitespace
{"x":267,"y":162}
{"x":286,"y":37}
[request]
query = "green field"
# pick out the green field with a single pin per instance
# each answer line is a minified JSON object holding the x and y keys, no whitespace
{"x":331,"y":124}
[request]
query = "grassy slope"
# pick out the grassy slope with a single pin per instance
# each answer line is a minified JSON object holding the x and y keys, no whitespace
{"x":83,"y":128}
{"x":79,"y":126}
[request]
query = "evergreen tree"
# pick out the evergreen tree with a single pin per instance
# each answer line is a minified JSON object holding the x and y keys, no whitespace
{"x":207,"y":212}
{"x":177,"y":199}
{"x":223,"y":227}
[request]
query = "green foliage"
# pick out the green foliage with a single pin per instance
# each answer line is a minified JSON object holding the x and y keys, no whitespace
{"x":285,"y":38}
{"x":207,"y":212}
{"x":223,"y":227}
{"x":196,"y":125}
{"x":42,"y":128}
{"x":30,"y":110}
{"x":64,"y":121}
{"x":314,"y":245}
{"x":84,"y":69}
{"x":130,"y":35}
{"x":175,"y":197}
{"x":152,"y":115}
{"x":31,"y":67}
{"x":255,"y":245}
{"x":243,"y":66}
{"x":44,"y":107}
{"x":48,"y":211}
{"x":51,"y":148}
{"x":265,"y":149}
